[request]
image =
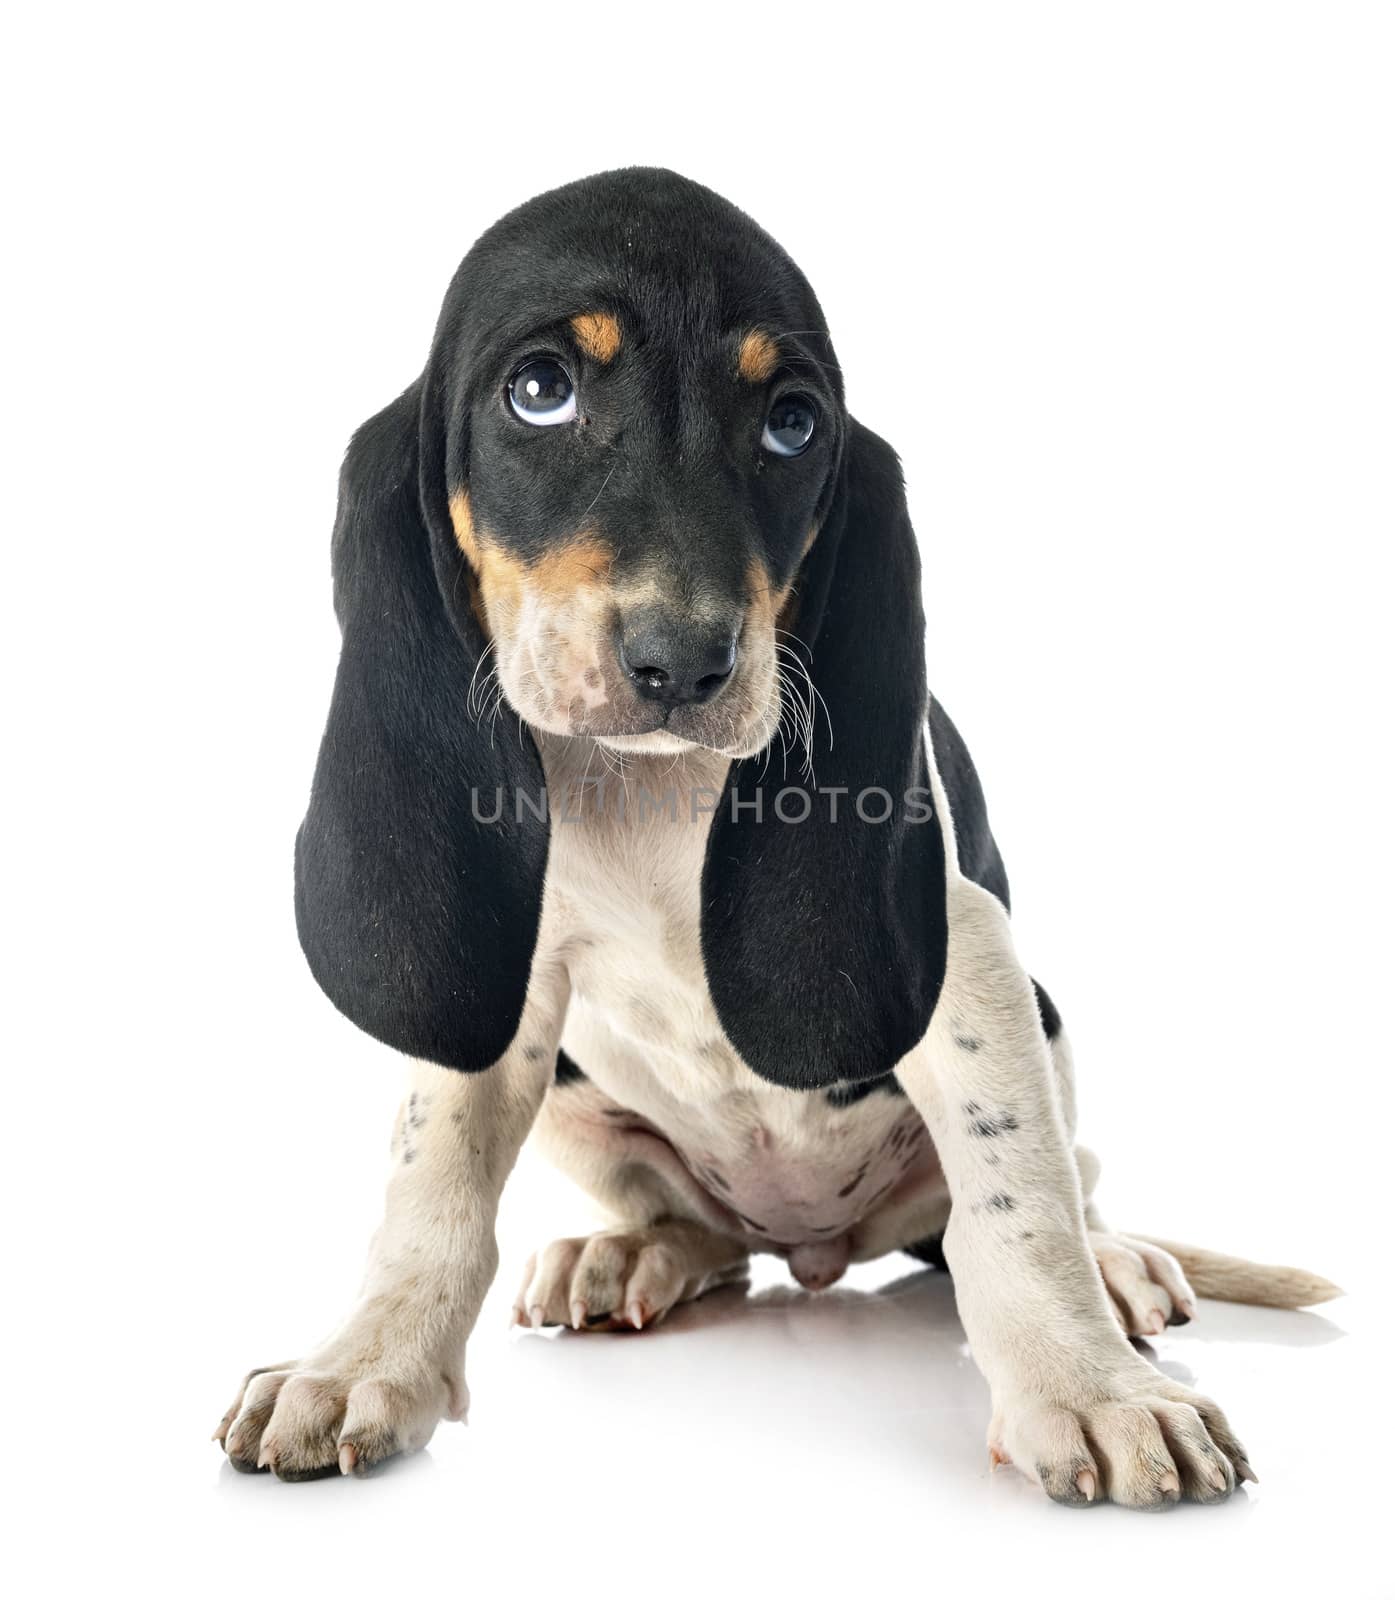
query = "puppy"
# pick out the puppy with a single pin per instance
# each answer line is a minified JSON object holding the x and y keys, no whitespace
{"x":634,"y":826}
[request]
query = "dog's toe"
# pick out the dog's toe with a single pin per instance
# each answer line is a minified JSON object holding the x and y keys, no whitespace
{"x":1147,"y":1288}
{"x":623,"y":1278}
{"x":335,"y":1414}
{"x":1147,"y":1447}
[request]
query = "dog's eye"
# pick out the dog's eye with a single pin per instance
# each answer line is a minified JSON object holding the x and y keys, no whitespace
{"x":542,"y":392}
{"x":790,"y":425}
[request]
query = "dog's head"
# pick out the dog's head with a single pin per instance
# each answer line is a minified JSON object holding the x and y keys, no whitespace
{"x":626,"y":484}
{"x":641,"y":422}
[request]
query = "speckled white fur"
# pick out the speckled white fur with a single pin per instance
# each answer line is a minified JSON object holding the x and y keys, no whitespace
{"x":700,"y":1161}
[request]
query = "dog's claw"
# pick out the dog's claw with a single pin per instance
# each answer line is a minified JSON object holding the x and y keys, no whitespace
{"x":1085,"y":1482}
{"x":348,"y":1459}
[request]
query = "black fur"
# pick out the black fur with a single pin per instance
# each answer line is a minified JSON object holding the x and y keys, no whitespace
{"x":418,"y":922}
{"x":567,"y":1071}
{"x":824,"y":943}
{"x":1050,"y":1017}
{"x":978,"y":852}
{"x":848,"y":1094}
{"x":931,"y":1251}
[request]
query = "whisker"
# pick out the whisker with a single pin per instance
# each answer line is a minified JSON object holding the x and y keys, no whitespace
{"x":815,"y":698}
{"x":473,"y":704}
{"x":785,"y":633}
{"x":599,"y":492}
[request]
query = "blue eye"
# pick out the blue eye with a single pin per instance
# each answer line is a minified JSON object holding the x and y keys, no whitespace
{"x":790,"y":425}
{"x":541,"y":393}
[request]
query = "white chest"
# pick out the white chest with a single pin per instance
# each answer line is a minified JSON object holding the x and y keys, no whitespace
{"x":624,"y":909}
{"x":623,"y":913}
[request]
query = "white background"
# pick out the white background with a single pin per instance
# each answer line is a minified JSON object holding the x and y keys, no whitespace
{"x":1116,"y":282}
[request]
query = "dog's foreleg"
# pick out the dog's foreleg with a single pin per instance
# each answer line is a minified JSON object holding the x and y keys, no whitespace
{"x":380,"y":1384}
{"x":1074,"y":1404}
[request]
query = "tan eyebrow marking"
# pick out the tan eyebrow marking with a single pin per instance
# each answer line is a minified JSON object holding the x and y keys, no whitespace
{"x":758,"y":358}
{"x":598,"y":334}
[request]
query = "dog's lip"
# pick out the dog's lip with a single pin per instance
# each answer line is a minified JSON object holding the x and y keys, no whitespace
{"x":670,"y":743}
{"x":666,"y":740}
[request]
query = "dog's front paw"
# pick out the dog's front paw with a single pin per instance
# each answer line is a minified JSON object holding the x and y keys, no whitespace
{"x":1145,"y":1443}
{"x":625,"y":1277}
{"x":346,"y":1409}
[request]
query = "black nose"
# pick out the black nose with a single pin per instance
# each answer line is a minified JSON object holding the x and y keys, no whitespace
{"x":674,"y":661}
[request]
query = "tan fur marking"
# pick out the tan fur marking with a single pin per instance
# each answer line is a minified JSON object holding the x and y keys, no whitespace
{"x":759,"y":356}
{"x":763,"y":602}
{"x":598,"y":334}
{"x":582,"y":563}
{"x":463,"y":522}
{"x":786,"y":602}
{"x":503,"y":578}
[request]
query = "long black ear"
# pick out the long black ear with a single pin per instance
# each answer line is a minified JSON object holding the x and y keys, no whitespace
{"x":824,"y":939}
{"x":417,"y":911}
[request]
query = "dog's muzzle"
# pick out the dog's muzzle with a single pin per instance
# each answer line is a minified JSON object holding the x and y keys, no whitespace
{"x":674,"y":661}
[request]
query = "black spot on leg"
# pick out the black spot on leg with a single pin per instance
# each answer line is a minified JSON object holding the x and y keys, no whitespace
{"x":848,"y":1188}
{"x":997,"y":1202}
{"x":989,"y":1127}
{"x":966,"y":1041}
